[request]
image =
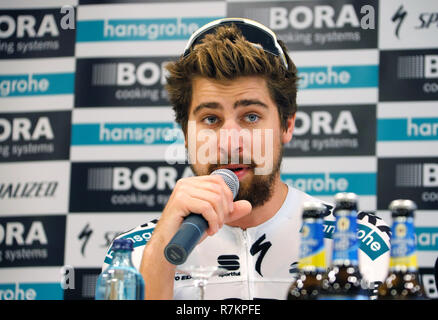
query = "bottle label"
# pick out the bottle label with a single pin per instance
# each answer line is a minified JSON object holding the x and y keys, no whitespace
{"x":345,"y":244}
{"x":403,"y":247}
{"x":312,"y":252}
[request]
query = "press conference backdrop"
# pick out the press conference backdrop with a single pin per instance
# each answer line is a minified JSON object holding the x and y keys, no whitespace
{"x":88,"y":146}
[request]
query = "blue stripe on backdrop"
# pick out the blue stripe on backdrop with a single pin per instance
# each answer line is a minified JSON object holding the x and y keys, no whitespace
{"x":154,"y":133}
{"x":139,"y":29}
{"x":337,"y":77}
{"x":328,"y":184}
{"x":31,"y":291}
{"x":36,"y":84}
{"x":407,"y":129}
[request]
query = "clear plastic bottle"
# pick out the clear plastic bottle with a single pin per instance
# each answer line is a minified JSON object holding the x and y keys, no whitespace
{"x":121,"y":280}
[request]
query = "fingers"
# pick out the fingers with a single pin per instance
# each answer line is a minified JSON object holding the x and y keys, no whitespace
{"x":211,"y":197}
{"x":241,"y":209}
{"x":216,"y":201}
{"x":205,"y":195}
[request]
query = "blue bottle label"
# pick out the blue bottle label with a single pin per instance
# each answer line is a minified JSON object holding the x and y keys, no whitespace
{"x":403,"y":246}
{"x":345,"y":243}
{"x":312,"y":252}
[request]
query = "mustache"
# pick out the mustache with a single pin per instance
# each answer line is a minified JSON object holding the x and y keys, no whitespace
{"x":242,"y":161}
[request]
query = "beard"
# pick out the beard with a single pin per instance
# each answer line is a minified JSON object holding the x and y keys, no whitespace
{"x":257,"y":189}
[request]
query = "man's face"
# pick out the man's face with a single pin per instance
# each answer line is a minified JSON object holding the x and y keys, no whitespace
{"x":235,"y":124}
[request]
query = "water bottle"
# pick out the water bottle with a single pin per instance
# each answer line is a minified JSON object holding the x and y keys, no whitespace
{"x":121,"y":280}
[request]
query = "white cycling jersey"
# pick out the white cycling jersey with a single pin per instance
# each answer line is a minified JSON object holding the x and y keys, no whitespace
{"x":261,"y":261}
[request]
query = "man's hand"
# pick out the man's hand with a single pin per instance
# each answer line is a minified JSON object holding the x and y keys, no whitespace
{"x":206,"y":195}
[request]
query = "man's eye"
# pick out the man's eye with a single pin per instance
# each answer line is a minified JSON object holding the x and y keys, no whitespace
{"x":252,"y":117}
{"x":210,"y":120}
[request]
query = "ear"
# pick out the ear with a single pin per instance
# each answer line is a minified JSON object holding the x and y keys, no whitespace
{"x":288,"y":132}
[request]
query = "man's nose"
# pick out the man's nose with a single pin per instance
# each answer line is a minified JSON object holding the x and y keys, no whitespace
{"x":230,"y":139}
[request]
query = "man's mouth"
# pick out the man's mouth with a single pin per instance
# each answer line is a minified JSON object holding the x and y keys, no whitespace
{"x":239,"y":169}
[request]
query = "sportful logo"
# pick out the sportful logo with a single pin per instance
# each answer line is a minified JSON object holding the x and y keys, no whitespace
{"x":230,"y":263}
{"x":139,"y":29}
{"x":328,"y":184}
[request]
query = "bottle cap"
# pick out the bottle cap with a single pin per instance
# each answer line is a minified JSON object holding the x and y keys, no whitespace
{"x":345,"y":197}
{"x":346,"y":200}
{"x":402,"y":208}
{"x":123,"y":244}
{"x":313,"y":209}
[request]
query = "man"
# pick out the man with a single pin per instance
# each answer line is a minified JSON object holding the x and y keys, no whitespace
{"x":235,"y":81}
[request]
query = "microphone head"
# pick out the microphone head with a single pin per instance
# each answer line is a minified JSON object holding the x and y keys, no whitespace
{"x":230,"y":179}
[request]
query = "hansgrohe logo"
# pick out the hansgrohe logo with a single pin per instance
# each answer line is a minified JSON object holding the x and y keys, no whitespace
{"x":159,"y":133}
{"x":370,"y":241}
{"x":139,"y":29}
{"x":36,"y":84}
{"x":336,"y":77}
{"x":330,"y":183}
{"x":407,"y":129}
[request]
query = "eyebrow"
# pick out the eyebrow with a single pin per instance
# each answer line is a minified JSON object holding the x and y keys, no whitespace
{"x":239,"y":103}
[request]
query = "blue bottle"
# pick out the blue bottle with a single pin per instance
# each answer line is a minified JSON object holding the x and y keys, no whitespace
{"x":121,"y":280}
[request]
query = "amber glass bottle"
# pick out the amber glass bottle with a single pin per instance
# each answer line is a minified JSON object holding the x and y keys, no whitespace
{"x":312,"y":264}
{"x":402,"y":281}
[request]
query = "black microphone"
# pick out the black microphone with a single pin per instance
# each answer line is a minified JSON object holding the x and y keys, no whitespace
{"x":194,"y":226}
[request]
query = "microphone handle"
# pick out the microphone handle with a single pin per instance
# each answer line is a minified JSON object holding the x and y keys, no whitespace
{"x":183,"y":242}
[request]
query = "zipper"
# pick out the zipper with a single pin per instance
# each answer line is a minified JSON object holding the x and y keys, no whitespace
{"x":248,"y":265}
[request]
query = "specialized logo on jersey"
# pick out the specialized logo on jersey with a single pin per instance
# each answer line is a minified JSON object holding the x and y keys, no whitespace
{"x":261,"y":247}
